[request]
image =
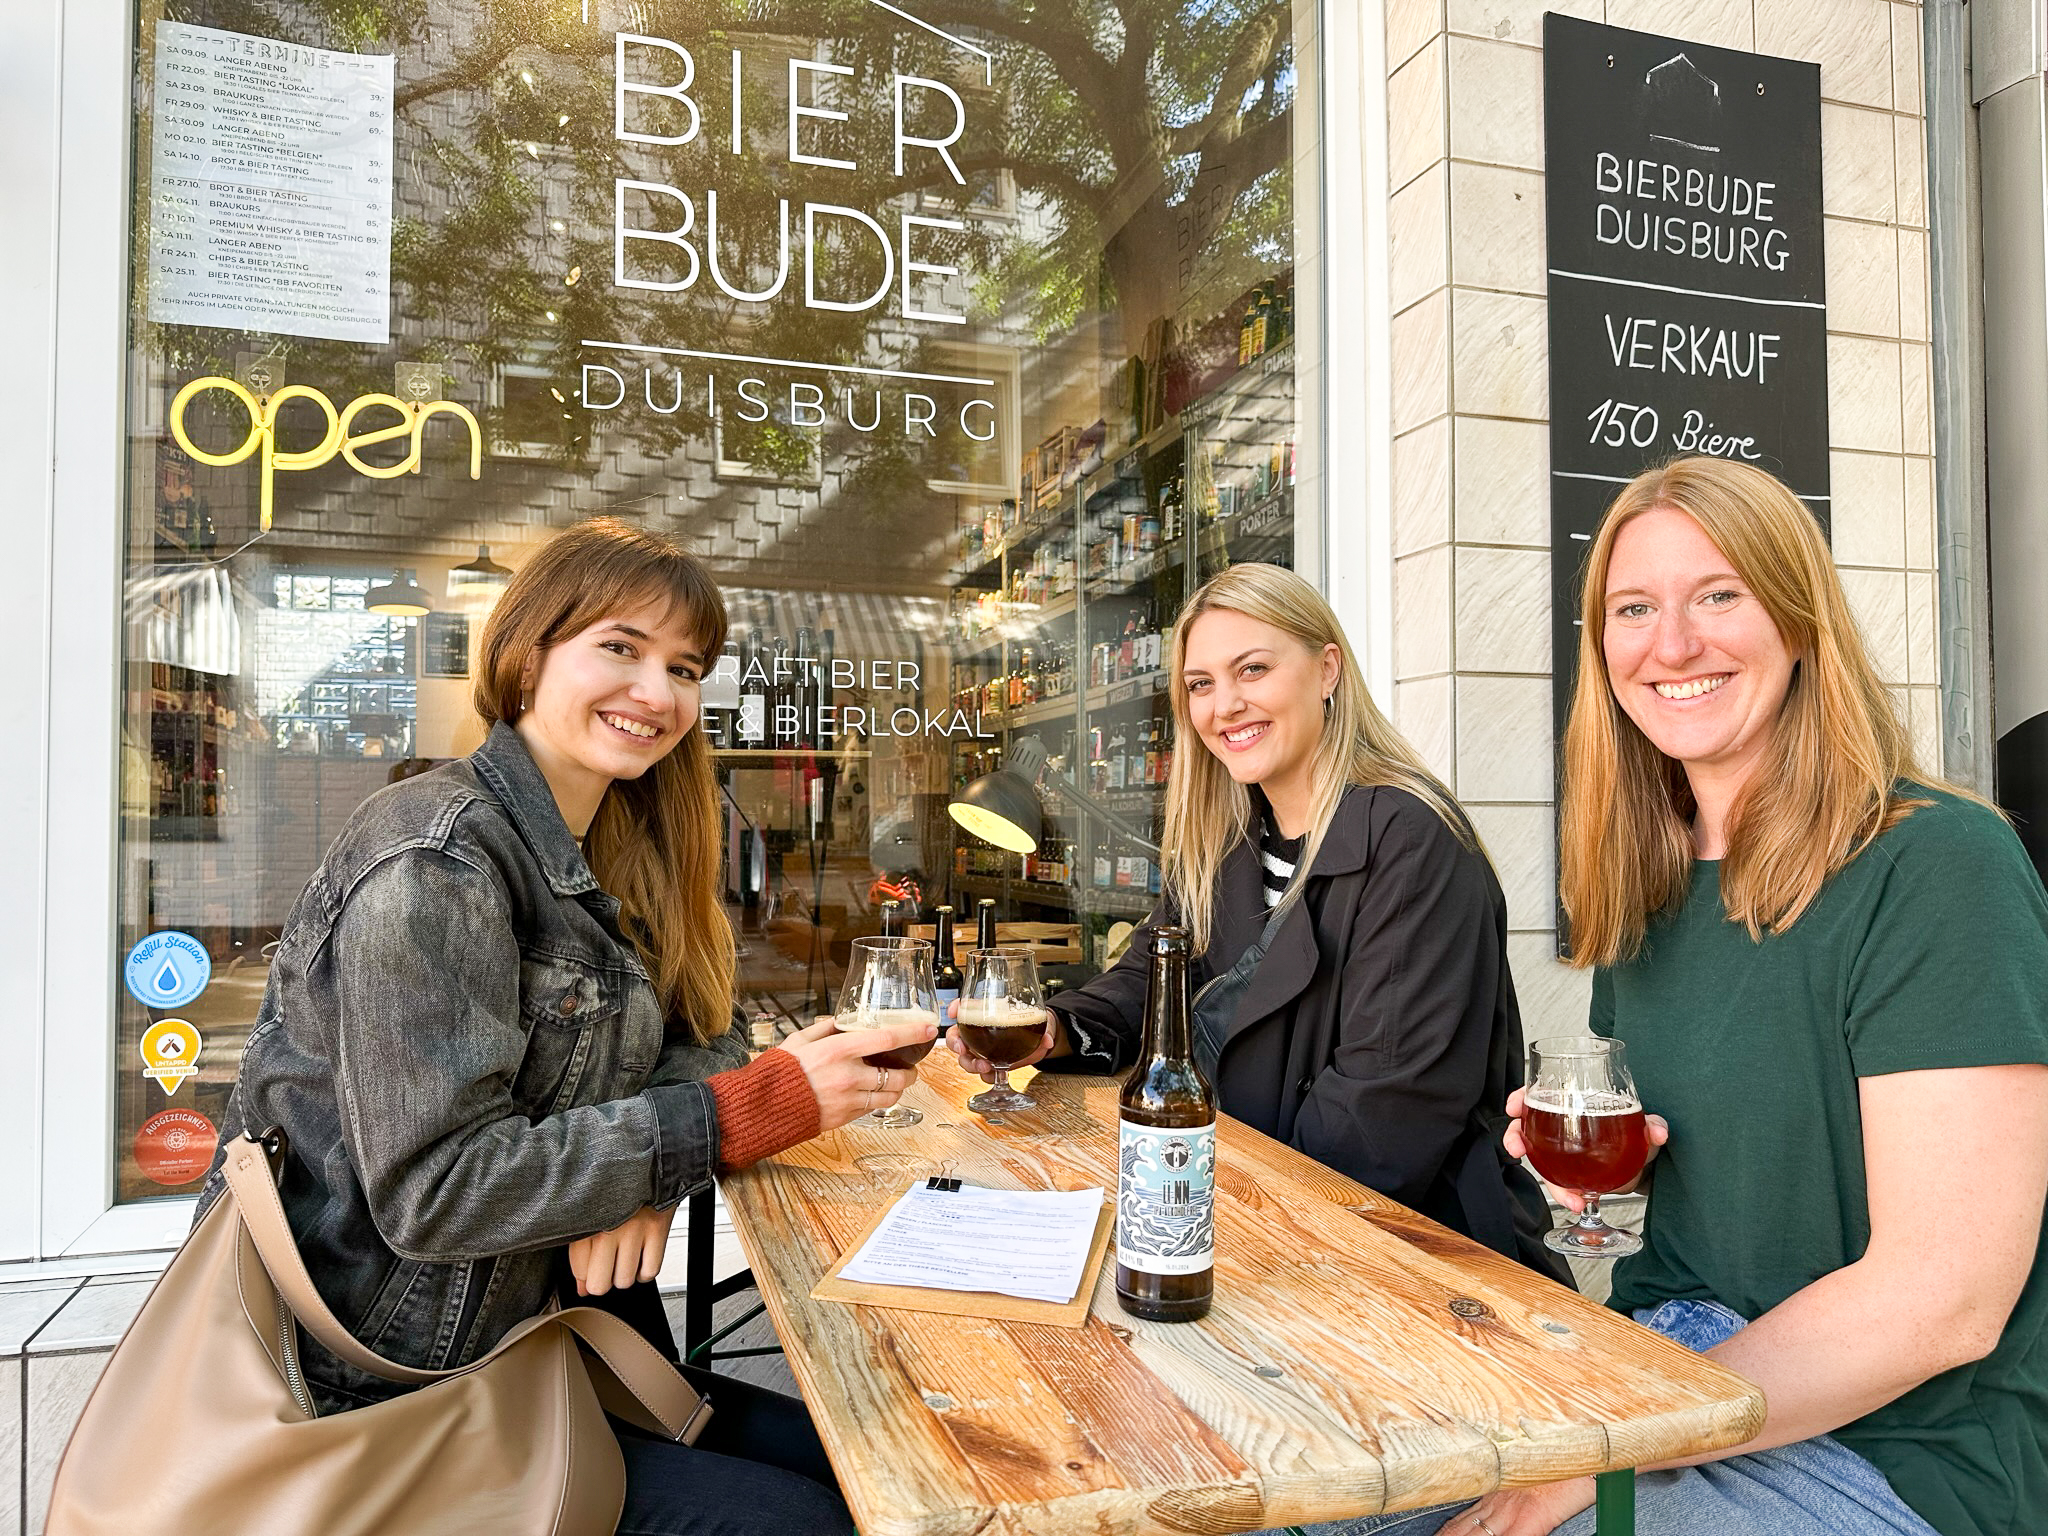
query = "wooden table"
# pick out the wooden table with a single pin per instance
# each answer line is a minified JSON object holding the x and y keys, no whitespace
{"x":1358,"y":1358}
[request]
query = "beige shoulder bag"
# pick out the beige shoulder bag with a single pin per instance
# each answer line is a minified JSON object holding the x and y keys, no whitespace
{"x":202,"y":1420}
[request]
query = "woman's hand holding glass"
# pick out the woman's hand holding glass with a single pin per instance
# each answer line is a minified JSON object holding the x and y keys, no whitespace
{"x":846,"y":1087}
{"x":1516,"y":1145}
{"x":1054,"y":1044}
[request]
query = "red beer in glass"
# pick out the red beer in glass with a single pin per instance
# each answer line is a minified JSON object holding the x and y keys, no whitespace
{"x":1585,"y":1131}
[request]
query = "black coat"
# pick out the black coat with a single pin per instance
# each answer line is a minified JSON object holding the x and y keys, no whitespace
{"x":1380,"y":1035}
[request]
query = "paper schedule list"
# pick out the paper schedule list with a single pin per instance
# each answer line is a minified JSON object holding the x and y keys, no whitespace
{"x":270,"y":186}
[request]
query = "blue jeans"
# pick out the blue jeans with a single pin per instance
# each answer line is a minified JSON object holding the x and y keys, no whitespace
{"x":1816,"y":1487}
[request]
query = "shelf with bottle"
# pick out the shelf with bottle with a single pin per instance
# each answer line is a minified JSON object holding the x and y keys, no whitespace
{"x":1041,"y":674}
{"x":1112,"y":900}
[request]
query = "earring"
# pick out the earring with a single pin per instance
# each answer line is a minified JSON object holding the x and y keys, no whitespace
{"x":526,"y":700}
{"x":1326,"y":706}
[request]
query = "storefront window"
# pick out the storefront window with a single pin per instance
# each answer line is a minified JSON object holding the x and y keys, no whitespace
{"x":962,"y":341}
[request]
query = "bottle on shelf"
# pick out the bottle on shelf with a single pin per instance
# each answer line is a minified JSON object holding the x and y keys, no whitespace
{"x":945,"y":973}
{"x":1118,"y":757}
{"x":1166,"y":1154}
{"x":1262,"y":318}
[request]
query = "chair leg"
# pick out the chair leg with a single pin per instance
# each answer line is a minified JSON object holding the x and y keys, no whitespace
{"x":1614,"y":1503}
{"x":697,"y":1282}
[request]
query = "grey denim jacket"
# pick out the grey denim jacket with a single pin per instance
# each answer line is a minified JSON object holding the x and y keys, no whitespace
{"x":471,"y":1065}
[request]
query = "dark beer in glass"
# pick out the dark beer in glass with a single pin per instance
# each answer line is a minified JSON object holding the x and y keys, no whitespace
{"x":1166,"y":1156}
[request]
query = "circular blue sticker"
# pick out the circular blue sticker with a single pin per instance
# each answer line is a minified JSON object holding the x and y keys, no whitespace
{"x":168,"y":969}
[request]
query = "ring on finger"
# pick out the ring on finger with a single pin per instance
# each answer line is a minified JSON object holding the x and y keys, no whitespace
{"x":1479,"y":1523}
{"x":868,"y":1101}
{"x":881,"y":1080}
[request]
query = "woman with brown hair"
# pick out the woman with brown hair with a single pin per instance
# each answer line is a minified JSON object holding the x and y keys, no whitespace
{"x":1831,"y":972}
{"x":499,"y":1030}
{"x":1321,"y":868}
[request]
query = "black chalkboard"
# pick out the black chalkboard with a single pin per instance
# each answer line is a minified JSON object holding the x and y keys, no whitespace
{"x":1688,"y":310}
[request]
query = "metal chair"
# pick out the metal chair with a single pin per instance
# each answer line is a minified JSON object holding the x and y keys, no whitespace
{"x":701,"y":1293}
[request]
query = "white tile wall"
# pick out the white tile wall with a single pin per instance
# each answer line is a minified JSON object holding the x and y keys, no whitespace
{"x":1500,"y":481}
{"x":1416,"y":129}
{"x":1862,"y":277}
{"x":1863,"y":394}
{"x":1555,"y":998}
{"x":1496,"y":93}
{"x":1422,"y":713}
{"x":1878,"y":599}
{"x":1504,"y":739}
{"x":1851,"y":40}
{"x":1500,"y":354}
{"x":1422,"y":614}
{"x":1497,"y":228}
{"x":1856,"y":176}
{"x":1410,"y":26}
{"x":1514,"y":21}
{"x":1418,"y":247}
{"x":1724,"y":23}
{"x":1422,"y":488}
{"x":1420,"y":343}
{"x":1519,"y":838}
{"x":1503,"y":609}
{"x":1869,"y":508}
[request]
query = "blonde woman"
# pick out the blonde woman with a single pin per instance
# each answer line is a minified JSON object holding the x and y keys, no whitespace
{"x":1831,"y":970}
{"x":1378,"y":1032}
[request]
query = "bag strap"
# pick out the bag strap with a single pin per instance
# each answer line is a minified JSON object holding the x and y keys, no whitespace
{"x":632,"y":1378}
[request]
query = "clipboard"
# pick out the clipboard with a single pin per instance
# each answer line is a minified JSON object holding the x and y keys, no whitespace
{"x":979,"y":1304}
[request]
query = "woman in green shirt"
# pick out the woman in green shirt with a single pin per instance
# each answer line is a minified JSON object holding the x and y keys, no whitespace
{"x":1831,"y":971}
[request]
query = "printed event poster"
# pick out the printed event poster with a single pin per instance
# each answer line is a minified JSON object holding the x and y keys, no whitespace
{"x":270,"y":186}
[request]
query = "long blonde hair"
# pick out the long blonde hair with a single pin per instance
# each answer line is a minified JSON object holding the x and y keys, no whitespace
{"x":1827,"y":782}
{"x":654,"y":841}
{"x":1208,"y":812}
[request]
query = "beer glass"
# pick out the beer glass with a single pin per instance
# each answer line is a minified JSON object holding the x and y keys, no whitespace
{"x":1585,"y":1130}
{"x":889,"y":981}
{"x":1002,"y":1019}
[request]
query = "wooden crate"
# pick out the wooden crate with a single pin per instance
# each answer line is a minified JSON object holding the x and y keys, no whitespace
{"x":1054,"y":943}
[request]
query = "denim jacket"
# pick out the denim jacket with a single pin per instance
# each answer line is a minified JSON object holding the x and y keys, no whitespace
{"x":471,"y":1065}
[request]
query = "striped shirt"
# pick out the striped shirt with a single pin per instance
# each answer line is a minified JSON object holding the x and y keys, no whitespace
{"x":1277,"y":858}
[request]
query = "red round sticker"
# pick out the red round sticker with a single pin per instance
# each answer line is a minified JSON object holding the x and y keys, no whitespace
{"x":176,"y":1146}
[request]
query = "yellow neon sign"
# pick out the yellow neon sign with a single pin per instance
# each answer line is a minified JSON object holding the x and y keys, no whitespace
{"x":338,"y":438}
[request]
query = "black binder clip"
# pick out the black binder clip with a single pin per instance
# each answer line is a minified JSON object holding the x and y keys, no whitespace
{"x":943,"y":1186}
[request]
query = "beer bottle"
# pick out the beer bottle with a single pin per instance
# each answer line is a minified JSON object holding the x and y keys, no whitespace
{"x":985,"y":923}
{"x":945,"y":974}
{"x":1166,"y":1156}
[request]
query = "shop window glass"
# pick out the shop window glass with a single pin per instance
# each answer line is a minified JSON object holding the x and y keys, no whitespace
{"x":961,"y":349}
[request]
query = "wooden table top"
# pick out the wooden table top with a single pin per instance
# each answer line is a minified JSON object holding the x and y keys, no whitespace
{"x":1358,"y":1358}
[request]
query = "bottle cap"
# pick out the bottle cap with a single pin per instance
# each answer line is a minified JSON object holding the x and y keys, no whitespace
{"x":1169,"y":940}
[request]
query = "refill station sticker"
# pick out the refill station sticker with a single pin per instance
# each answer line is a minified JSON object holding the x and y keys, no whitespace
{"x":175,"y":1146}
{"x":170,"y":1053}
{"x":168,"y":969}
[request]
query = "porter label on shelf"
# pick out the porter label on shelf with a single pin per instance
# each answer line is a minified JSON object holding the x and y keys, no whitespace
{"x":1687,"y":306}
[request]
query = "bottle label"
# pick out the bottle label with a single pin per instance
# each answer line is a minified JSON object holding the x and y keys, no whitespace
{"x":1166,"y":1199}
{"x":947,"y":996}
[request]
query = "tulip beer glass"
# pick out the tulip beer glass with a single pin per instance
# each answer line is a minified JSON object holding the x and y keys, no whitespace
{"x":889,"y":981}
{"x":1585,"y":1130}
{"x":1002,"y":1020}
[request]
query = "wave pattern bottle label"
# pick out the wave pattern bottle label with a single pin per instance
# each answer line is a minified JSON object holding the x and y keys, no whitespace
{"x":1166,"y":1199}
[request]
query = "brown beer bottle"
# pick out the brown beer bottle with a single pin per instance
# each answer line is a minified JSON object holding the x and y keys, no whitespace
{"x":1166,"y":1156}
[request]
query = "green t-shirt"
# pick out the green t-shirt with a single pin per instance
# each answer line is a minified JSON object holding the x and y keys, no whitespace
{"x":1929,"y":950}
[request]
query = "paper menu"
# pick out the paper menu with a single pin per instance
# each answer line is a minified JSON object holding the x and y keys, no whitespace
{"x":270,"y":194}
{"x":1032,"y":1244}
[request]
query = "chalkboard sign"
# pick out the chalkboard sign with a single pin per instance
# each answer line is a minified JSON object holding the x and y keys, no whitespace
{"x":1688,"y":310}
